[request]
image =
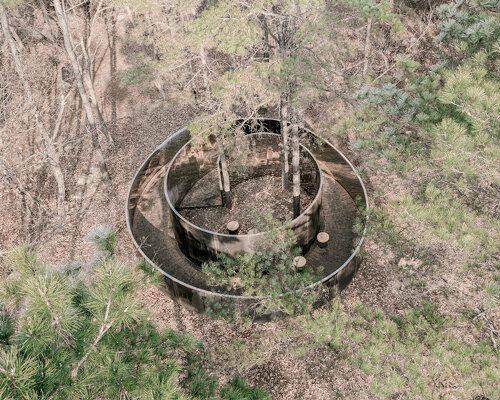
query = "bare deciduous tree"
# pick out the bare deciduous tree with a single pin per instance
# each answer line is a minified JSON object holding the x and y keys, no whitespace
{"x":79,"y":78}
{"x":51,"y":147}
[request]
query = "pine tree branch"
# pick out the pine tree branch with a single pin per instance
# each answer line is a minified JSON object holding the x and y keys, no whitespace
{"x":11,"y":376}
{"x":463,"y":108}
{"x":56,"y":390}
{"x":103,"y":329}
{"x":55,"y":318}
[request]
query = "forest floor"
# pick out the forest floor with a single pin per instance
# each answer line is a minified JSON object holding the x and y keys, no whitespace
{"x":289,"y":358}
{"x":378,"y":339}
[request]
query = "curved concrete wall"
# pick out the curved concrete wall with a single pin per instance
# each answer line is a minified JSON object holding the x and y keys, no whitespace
{"x":149,"y":226}
{"x":190,"y":165}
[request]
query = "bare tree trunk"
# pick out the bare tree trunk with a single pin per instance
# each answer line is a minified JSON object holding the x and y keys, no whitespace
{"x":52,"y":151}
{"x":17,"y":40}
{"x":203,"y":58}
{"x":47,"y":19}
{"x":286,"y":46}
{"x":93,"y":98}
{"x":68,"y":45}
{"x":296,"y":170}
{"x":367,"y":47}
{"x":111,"y":33}
{"x":267,"y":44}
{"x":227,"y":197}
{"x":87,"y":74}
{"x":192,"y":84}
{"x":285,"y":167}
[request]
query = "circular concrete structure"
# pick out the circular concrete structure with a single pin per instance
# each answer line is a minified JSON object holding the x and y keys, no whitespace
{"x":152,"y":221}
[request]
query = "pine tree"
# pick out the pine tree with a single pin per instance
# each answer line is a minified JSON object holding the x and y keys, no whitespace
{"x":238,"y":58}
{"x":269,"y":274}
{"x":474,"y":23}
{"x":71,"y":333}
{"x":274,"y":38}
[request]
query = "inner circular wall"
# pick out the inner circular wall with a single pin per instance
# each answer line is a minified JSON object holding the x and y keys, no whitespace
{"x":191,"y":164}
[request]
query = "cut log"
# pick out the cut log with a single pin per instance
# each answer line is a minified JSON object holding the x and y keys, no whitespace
{"x":299,"y":263}
{"x":233,"y":227}
{"x":323,"y":239}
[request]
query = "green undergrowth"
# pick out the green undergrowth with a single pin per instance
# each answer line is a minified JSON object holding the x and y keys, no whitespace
{"x":81,"y":333}
{"x":419,"y":355}
{"x":153,"y":276}
{"x":435,"y":131}
{"x":269,"y":274}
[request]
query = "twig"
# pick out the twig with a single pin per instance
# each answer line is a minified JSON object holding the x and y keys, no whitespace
{"x":367,"y":47}
{"x":104,"y":328}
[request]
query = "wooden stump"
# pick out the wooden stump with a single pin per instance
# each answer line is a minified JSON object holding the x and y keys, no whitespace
{"x":233,"y":227}
{"x":299,"y":263}
{"x":322,"y":239}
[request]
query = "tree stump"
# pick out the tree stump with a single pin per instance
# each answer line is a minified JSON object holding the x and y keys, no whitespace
{"x":323,"y":238}
{"x":233,"y":227}
{"x":299,"y":263}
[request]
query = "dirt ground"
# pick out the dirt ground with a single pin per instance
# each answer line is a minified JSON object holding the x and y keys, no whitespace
{"x":252,"y":197}
{"x":317,"y":375}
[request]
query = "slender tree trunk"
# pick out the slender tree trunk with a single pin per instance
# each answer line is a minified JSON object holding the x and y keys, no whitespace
{"x":296,"y":170}
{"x":52,"y":151}
{"x":227,"y":197}
{"x":192,"y":83}
{"x":111,"y":33}
{"x":95,"y":105}
{"x":17,"y":40}
{"x":68,"y":45}
{"x":87,"y":77}
{"x":285,"y":166}
{"x":203,"y":59}
{"x":47,"y":19}
{"x":367,"y":46}
{"x":267,"y":48}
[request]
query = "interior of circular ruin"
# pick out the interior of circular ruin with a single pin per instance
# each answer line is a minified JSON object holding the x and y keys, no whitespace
{"x":255,"y":177}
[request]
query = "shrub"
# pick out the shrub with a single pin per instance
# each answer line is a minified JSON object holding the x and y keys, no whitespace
{"x":268,"y":273}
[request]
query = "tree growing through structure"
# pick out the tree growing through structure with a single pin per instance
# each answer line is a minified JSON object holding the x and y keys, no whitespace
{"x":274,"y":49}
{"x":284,"y":45}
{"x":207,"y":75}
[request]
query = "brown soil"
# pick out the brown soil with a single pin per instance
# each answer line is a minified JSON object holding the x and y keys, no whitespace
{"x":252,"y":199}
